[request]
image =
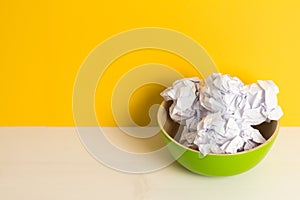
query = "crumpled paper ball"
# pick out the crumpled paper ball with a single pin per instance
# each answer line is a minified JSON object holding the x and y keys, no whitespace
{"x":218,"y":114}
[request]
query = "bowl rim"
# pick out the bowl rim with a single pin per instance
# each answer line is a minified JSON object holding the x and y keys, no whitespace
{"x":159,"y":121}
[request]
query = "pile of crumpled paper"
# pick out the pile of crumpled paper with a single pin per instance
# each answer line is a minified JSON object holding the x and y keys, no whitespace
{"x":218,"y":114}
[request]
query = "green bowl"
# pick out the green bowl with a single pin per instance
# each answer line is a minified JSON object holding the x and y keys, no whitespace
{"x":214,"y":164}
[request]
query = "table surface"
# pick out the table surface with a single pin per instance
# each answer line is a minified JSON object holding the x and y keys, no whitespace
{"x":51,"y":163}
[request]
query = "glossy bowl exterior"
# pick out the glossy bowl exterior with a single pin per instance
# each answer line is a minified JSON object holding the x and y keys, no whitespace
{"x":214,"y":164}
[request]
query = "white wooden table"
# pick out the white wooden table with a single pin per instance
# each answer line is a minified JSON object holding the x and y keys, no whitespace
{"x":51,"y":163}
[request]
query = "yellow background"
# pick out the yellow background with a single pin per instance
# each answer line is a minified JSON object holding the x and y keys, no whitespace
{"x":43,"y":45}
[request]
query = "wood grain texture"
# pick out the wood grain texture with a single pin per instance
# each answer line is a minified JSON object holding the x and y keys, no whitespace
{"x":51,"y":163}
